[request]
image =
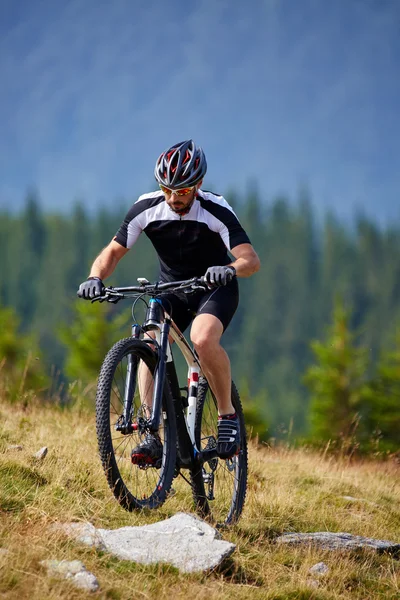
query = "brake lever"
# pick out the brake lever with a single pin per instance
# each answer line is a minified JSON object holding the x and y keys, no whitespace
{"x":98,"y":299}
{"x":200,"y":287}
{"x":194,"y":287}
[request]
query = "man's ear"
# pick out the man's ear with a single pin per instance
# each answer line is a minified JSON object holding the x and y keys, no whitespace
{"x":198,"y":185}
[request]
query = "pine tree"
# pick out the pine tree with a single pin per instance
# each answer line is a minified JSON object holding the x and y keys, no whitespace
{"x":337,"y":382}
{"x":78,"y":247}
{"x":95,"y":327}
{"x":32,"y":244}
{"x":22,"y":372}
{"x":6,"y":231}
{"x":382,"y":399}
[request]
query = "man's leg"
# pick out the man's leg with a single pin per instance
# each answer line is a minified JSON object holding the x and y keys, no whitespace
{"x":206,"y":336}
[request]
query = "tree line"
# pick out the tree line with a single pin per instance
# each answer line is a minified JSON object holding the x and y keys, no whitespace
{"x":308,"y":268}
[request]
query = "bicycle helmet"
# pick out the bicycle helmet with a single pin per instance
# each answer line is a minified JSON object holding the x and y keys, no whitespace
{"x":181,"y":166}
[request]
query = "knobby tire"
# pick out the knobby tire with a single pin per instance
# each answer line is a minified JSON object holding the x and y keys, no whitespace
{"x":134,"y":488}
{"x":230,"y":476}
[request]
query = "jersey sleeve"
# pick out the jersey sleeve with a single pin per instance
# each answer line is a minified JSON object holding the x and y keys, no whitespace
{"x":231,"y":231}
{"x":225,"y":221}
{"x":130,"y":228}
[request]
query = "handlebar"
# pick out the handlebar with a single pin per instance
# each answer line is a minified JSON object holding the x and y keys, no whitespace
{"x":115,"y":294}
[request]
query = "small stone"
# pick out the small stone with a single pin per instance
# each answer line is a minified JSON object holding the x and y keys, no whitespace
{"x":85,"y":580}
{"x":74,"y":571}
{"x":40,"y":454}
{"x":4,"y":552}
{"x":338,"y":541}
{"x":64,"y":567}
{"x":319,"y":569}
{"x":14,"y":448}
{"x":362,"y":500}
{"x":350,"y":499}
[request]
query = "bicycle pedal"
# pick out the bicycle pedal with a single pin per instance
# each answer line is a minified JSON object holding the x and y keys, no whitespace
{"x":144,"y":462}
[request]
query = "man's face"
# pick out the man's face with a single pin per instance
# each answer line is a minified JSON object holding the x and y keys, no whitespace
{"x":180,"y":204}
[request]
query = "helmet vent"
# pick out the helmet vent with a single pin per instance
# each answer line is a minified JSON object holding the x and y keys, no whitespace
{"x":182,"y":165}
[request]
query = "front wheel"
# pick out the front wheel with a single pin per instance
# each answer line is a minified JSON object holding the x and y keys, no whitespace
{"x":224,"y":480}
{"x":119,"y":430}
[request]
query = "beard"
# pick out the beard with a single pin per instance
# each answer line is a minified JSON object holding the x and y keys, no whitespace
{"x":181,"y":209}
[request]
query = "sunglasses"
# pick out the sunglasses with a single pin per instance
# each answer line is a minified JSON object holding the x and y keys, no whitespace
{"x":182,"y":192}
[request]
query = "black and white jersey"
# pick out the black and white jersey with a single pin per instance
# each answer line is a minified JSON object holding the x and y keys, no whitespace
{"x":186,"y":245}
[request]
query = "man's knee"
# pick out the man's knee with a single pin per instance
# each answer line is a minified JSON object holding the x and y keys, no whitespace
{"x":206,"y":333}
{"x":203,"y":343}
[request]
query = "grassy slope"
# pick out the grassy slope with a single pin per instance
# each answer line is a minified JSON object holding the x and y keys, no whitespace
{"x":289,"y":490}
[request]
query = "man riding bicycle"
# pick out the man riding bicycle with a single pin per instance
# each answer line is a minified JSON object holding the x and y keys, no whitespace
{"x":192,"y":231}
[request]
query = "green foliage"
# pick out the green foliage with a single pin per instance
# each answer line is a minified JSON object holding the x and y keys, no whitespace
{"x":382,"y":400}
{"x":80,"y":260}
{"x":33,"y":239}
{"x":255,"y":413}
{"x":284,"y":306}
{"x":95,"y":327}
{"x":22,"y":373}
{"x":337,"y":382}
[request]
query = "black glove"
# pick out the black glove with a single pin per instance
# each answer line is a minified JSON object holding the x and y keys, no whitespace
{"x":91,"y":288}
{"x":216,"y":276}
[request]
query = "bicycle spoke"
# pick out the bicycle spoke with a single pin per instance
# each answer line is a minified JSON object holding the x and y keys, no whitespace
{"x":225,"y":479}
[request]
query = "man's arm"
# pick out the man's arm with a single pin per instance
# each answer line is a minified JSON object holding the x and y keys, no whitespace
{"x":107,"y":260}
{"x":247,"y":261}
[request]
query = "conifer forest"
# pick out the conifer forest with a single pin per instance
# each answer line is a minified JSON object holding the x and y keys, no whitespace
{"x":314,"y":345}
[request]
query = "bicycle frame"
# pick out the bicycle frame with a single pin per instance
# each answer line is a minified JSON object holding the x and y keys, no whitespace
{"x":164,"y":326}
{"x":164,"y":330}
{"x":158,"y":320}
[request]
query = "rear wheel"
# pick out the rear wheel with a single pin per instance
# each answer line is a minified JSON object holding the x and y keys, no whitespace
{"x":134,"y":486}
{"x":224,"y":480}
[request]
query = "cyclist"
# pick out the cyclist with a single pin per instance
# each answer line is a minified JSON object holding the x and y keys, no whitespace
{"x":192,"y":231}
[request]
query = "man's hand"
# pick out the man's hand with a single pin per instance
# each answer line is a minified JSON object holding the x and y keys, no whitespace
{"x":217,"y":276}
{"x":91,"y":288}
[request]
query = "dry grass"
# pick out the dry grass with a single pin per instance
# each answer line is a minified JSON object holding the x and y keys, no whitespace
{"x":289,"y":490}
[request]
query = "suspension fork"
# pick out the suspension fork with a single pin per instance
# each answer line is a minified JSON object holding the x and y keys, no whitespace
{"x":159,"y":378}
{"x":124,"y":424}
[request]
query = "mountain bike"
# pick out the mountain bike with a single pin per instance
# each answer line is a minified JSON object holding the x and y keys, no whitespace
{"x":184,"y":417}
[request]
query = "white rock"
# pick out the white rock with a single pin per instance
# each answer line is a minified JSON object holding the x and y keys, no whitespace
{"x":335,"y":541}
{"x":14,"y":447}
{"x":319,"y":569}
{"x":74,"y":571}
{"x":183,"y":541}
{"x":85,"y":580}
{"x":40,"y":454}
{"x":64,"y":567}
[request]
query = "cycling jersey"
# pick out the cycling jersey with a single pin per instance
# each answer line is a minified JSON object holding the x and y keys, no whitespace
{"x":188,"y":244}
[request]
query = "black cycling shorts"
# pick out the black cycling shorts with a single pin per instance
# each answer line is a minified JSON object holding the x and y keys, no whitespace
{"x":221,"y":302}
